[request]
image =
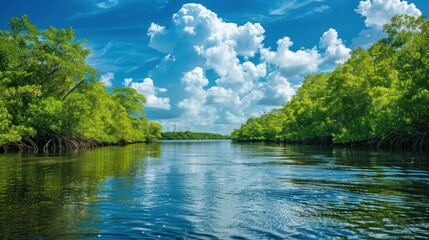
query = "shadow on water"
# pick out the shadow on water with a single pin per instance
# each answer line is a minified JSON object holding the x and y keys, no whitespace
{"x":46,"y":195}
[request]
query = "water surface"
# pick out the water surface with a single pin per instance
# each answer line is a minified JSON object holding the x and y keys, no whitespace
{"x":214,"y":190}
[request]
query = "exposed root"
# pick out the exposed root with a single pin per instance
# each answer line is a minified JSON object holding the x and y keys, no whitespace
{"x":59,"y":143}
{"x":416,"y":141}
{"x":31,"y":144}
{"x":24,"y":145}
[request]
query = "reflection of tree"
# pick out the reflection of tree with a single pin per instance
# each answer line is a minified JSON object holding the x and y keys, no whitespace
{"x":364,"y":192}
{"x":155,"y":149}
{"x":45,"y":195}
{"x":369,"y":206}
{"x":350,"y":191}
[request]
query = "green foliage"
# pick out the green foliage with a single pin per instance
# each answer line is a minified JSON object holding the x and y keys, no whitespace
{"x":190,"y":136}
{"x":380,"y":91}
{"x":47,"y":89}
{"x":154,"y":131}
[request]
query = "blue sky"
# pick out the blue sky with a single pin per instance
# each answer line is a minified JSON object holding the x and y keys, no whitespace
{"x":210,"y":65}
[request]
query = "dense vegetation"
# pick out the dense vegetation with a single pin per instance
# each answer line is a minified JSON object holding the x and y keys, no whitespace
{"x":190,"y":136}
{"x":50,"y":97}
{"x":379,"y":96}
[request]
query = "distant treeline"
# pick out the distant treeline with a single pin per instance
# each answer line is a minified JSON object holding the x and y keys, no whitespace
{"x":379,"y":97}
{"x":191,"y":136}
{"x":51,"y":99}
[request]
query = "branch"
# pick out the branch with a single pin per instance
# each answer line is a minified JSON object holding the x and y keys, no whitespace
{"x":53,"y":71}
{"x":72,"y":90}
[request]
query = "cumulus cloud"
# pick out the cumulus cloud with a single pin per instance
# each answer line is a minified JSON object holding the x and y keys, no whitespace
{"x":195,"y":23}
{"x":107,"y":79}
{"x":379,"y":12}
{"x":195,"y":80}
{"x":194,"y":83}
{"x":277,"y":90}
{"x":335,"y":50}
{"x":234,"y":118}
{"x":221,"y":73}
{"x":198,"y":41}
{"x":148,"y":89}
{"x":293,"y":65}
{"x":127,"y":82}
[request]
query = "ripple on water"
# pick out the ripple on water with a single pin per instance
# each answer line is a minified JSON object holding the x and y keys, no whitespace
{"x":215,"y":190}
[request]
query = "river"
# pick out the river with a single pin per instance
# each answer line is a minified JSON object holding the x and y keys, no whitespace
{"x":214,"y":190}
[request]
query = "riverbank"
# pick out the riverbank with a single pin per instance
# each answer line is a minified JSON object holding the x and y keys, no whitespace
{"x":188,"y":135}
{"x":416,"y":142}
{"x":370,"y":100}
{"x":59,"y":143}
{"x":63,"y":103}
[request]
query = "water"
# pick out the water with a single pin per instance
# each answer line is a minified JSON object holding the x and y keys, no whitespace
{"x":214,"y":190}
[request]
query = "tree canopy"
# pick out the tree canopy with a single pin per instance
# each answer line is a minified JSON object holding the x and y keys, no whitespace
{"x":187,"y":135}
{"x":48,"y":90}
{"x":379,"y":92}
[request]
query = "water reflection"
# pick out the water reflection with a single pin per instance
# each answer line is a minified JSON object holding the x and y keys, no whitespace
{"x":47,"y":195}
{"x":215,"y":190}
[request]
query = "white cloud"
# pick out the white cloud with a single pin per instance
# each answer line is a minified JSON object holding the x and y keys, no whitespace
{"x":232,"y":118}
{"x":198,"y":41}
{"x":286,"y":6}
{"x":127,"y":82}
{"x":320,"y":9}
{"x":377,"y":13}
{"x":224,"y":97}
{"x":155,"y":29}
{"x":335,"y":51}
{"x":221,"y":73}
{"x":293,"y":65}
{"x":194,"y":83}
{"x":277,"y":91}
{"x":248,"y":39}
{"x":149,"y":91}
{"x":195,"y":80}
{"x":224,"y":60}
{"x":107,"y":79}
{"x":107,"y":4}
{"x":195,"y":23}
{"x":196,"y":110}
{"x":154,"y":102}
